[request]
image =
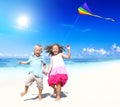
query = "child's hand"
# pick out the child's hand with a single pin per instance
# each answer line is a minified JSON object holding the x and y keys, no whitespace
{"x":20,"y":62}
{"x":68,"y":47}
{"x":45,"y":73}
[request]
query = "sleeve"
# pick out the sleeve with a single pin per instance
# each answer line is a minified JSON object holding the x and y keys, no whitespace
{"x":29,"y":60}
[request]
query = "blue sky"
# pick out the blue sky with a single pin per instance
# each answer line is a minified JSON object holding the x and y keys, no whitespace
{"x":58,"y":21}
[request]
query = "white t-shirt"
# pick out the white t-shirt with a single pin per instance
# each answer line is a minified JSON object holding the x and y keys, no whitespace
{"x":57,"y":61}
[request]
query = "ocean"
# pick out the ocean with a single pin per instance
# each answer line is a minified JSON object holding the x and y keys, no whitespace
{"x":11,"y":66}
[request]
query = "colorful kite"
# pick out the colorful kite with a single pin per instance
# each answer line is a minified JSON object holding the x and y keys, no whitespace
{"x":86,"y":11}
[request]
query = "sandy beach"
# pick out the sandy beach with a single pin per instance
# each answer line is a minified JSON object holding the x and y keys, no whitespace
{"x":96,"y":87}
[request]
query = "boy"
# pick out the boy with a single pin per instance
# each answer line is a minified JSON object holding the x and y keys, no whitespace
{"x":37,"y":68}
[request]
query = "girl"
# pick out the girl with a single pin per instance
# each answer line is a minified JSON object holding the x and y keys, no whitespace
{"x":56,"y":70}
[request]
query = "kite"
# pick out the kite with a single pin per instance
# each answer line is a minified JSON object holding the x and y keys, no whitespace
{"x":86,"y":11}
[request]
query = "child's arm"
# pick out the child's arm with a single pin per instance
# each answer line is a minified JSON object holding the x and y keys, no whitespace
{"x":50,"y":67}
{"x":67,"y":55}
{"x":44,"y":69}
{"x":21,"y":62}
{"x":26,"y":62}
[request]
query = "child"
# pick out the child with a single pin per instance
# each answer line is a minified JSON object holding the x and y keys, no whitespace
{"x":36,"y":62}
{"x":57,"y":71}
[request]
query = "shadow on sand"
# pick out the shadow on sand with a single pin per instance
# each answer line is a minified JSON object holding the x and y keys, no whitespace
{"x":34,"y":98}
{"x":63,"y":94}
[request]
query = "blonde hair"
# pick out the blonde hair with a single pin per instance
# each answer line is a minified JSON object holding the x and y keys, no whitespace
{"x":49,"y":48}
{"x":37,"y":45}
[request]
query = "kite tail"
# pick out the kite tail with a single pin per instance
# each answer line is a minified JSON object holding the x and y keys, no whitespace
{"x":110,"y":19}
{"x":96,"y":16}
{"x":103,"y":17}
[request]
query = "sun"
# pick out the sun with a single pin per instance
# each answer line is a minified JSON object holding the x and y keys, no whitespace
{"x":23,"y":21}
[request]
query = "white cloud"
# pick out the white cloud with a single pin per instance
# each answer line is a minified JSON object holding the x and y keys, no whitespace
{"x":94,"y":51}
{"x":118,"y":49}
{"x":115,"y":48}
{"x":102,"y":51}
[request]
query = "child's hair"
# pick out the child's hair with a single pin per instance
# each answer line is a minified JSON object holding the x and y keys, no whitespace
{"x":48,"y":49}
{"x":37,"y":45}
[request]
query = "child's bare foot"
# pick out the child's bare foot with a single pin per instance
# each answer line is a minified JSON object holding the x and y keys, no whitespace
{"x":57,"y":98}
{"x":40,"y":97}
{"x":23,"y":93}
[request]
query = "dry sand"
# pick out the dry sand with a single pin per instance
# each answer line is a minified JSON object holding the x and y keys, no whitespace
{"x":97,"y":87}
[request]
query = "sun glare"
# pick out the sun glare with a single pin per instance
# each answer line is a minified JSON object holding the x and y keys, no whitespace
{"x":23,"y":21}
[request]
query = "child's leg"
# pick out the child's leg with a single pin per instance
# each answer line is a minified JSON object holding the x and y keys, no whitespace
{"x":58,"y":92}
{"x":39,"y":82}
{"x":25,"y":91}
{"x":40,"y":94}
{"x":55,"y":90}
{"x":28,"y":82}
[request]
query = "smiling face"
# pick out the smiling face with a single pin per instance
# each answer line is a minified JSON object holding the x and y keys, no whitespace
{"x":37,"y":50}
{"x":55,"y":49}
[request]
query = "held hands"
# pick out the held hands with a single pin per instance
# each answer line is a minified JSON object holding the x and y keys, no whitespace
{"x":45,"y":73}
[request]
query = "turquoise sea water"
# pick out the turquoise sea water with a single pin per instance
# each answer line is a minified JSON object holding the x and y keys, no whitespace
{"x":11,"y":67}
{"x":13,"y":62}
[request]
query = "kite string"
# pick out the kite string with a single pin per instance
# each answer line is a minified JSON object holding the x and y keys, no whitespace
{"x":66,"y":37}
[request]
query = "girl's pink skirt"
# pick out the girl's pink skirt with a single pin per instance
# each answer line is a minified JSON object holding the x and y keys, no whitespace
{"x":57,"y":79}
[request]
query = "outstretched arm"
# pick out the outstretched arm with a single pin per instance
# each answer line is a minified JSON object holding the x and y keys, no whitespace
{"x":68,"y":54}
{"x":21,"y":62}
